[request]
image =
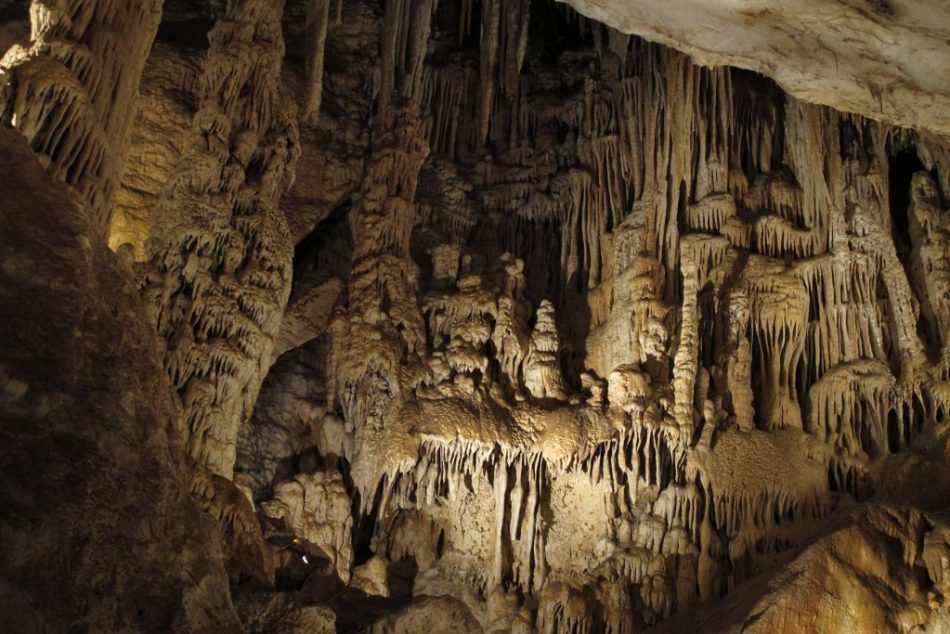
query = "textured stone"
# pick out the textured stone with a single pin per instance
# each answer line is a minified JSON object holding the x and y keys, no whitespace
{"x":887,"y":60}
{"x":556,"y":329}
{"x":316,"y":509}
{"x":429,"y":614}
{"x":95,"y":505}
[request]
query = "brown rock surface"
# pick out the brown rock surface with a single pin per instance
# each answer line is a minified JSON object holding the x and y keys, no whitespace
{"x":475,"y":316}
{"x":99,"y":532}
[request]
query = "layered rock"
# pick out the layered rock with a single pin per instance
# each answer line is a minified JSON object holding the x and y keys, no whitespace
{"x":95,"y":501}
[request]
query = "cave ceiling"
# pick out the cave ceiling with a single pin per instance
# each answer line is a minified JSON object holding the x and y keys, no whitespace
{"x":475,"y":315}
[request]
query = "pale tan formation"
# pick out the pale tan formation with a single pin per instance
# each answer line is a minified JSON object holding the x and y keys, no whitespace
{"x":883,"y":59}
{"x":316,"y":508}
{"x":488,"y":317}
{"x":71,"y":91}
{"x":220,"y":250}
{"x":371,"y":577}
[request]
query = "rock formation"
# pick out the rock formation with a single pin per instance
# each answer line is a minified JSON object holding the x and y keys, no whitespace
{"x":69,"y":90}
{"x":884,"y":59}
{"x":487,"y":316}
{"x":220,"y":250}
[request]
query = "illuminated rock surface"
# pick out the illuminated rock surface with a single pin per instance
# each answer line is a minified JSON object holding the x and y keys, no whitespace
{"x":457,"y":316}
{"x":885,"y":59}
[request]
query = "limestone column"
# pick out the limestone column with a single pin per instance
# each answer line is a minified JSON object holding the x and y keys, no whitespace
{"x":220,"y":253}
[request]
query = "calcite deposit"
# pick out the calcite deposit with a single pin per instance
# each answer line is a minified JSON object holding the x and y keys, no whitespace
{"x":444,"y":315}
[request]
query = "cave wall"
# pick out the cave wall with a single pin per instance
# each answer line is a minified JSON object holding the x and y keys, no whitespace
{"x":494,"y":303}
{"x":99,"y":531}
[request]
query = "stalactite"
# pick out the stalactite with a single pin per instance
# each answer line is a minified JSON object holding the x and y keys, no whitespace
{"x":71,"y":92}
{"x":318,"y":19}
{"x":451,"y":98}
{"x":850,"y":407}
{"x":488,"y":58}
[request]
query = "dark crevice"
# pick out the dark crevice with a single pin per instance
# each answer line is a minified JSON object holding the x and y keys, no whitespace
{"x":904,"y":163}
{"x":323,"y":253}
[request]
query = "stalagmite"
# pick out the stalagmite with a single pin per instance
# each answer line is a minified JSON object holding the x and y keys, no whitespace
{"x":542,"y":377}
{"x":219,"y":273}
{"x":489,"y":317}
{"x":684,"y":361}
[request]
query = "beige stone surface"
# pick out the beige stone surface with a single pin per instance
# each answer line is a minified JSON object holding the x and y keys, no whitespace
{"x":886,"y":60}
{"x":429,"y":614}
{"x":858,"y":577}
{"x":477,"y":317}
{"x":316,"y":509}
{"x":372,"y":577}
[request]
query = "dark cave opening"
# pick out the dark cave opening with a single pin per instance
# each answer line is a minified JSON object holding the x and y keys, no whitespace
{"x":903,"y":164}
{"x":324,"y":252}
{"x":186,"y":24}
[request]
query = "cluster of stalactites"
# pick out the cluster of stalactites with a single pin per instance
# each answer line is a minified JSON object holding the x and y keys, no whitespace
{"x":405,"y":40}
{"x":627,"y":141}
{"x":734,"y":257}
{"x":804,"y":322}
{"x":516,"y":480}
{"x":825,"y":297}
{"x":382,"y":311}
{"x":851,"y":406}
{"x":786,"y":324}
{"x":504,"y":43}
{"x":446,"y":472}
{"x":449,"y":96}
{"x":71,"y":92}
{"x":220,"y":251}
{"x":666,"y":528}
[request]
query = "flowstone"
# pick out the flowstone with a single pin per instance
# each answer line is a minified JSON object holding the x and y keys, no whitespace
{"x":477,"y":316}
